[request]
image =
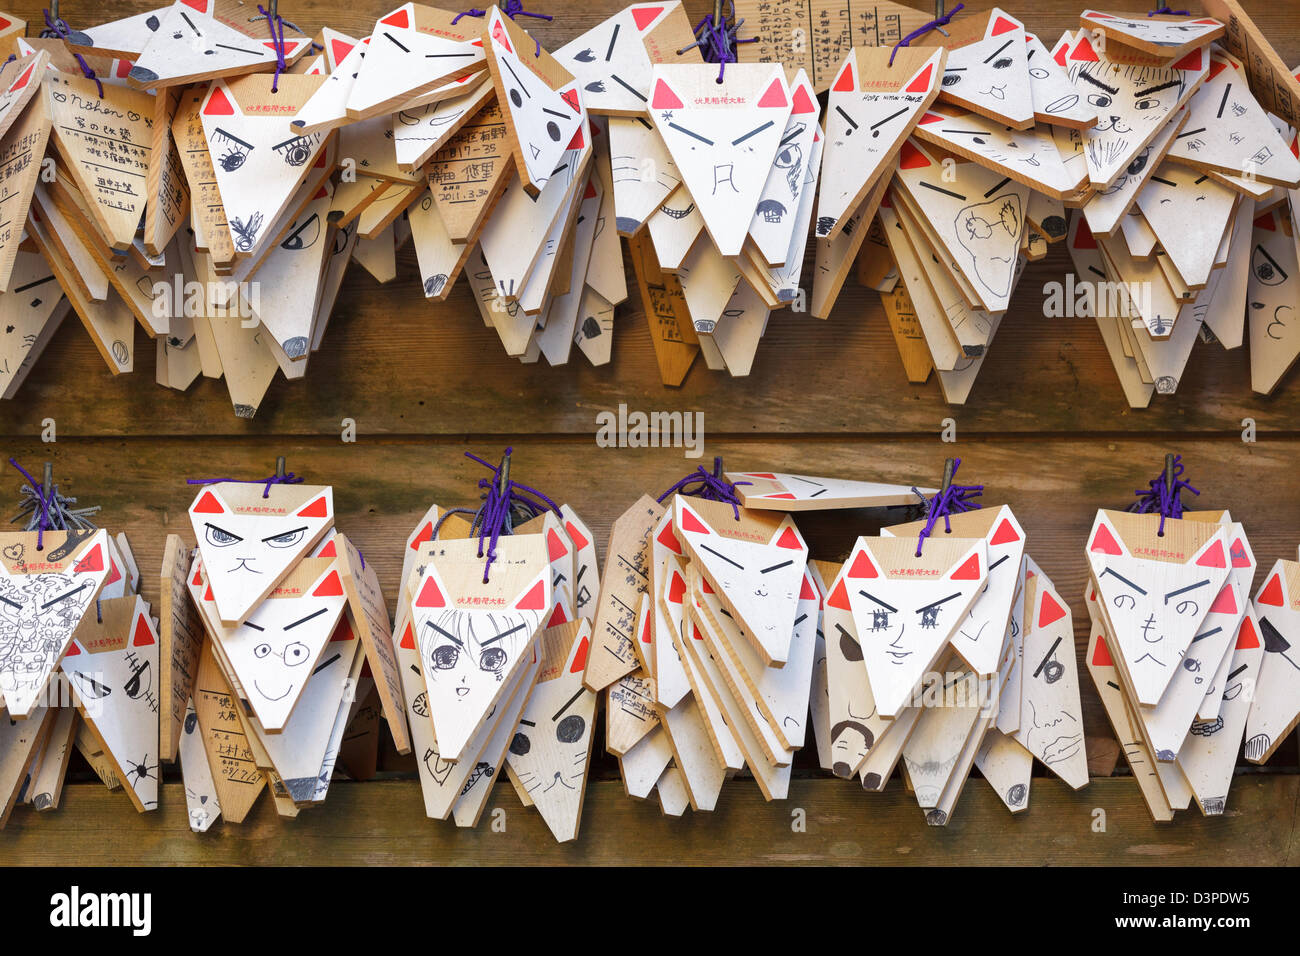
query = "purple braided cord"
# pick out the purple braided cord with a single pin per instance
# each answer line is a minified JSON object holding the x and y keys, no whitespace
{"x":286,"y":479}
{"x":512,"y":9}
{"x":1166,"y":12}
{"x":61,"y":30}
{"x":281,"y":63}
{"x":942,"y":21}
{"x":717,"y":41}
{"x":43,"y":525}
{"x":1159,"y":496}
{"x":951,"y":500}
{"x":710,"y":487}
{"x":493,"y":517}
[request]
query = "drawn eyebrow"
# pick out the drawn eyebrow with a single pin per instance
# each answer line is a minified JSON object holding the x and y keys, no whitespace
{"x":305,"y":619}
{"x":683,"y":129}
{"x":777,"y":567}
{"x":613,"y":38}
{"x":997,"y":187}
{"x":843,"y":633}
{"x":872,"y":597}
{"x":503,"y":634}
{"x":11,"y":603}
{"x":946,"y":192}
{"x":998,"y":561}
{"x":1237,"y":671}
{"x":631,"y":89}
{"x":289,"y":142}
{"x":554,"y":112}
{"x":190,"y":22}
{"x":1223,"y":102}
{"x":1191,"y":132}
{"x":885,"y":120}
{"x":1190,"y":587}
{"x":1204,"y":634}
{"x":1124,"y":579}
{"x":722,"y":556}
{"x":800,"y":619}
{"x":1158,"y":89}
{"x":272,"y":537}
{"x":527,"y":723}
{"x":237,"y":49}
{"x":77,"y":590}
{"x":935,"y":604}
{"x":517,"y":80}
{"x":209,"y":524}
{"x":232,"y":137}
{"x":997,"y":51}
{"x":753,"y":132}
{"x":447,"y":634}
{"x":849,"y":119}
{"x":1048,"y":656}
{"x":1112,"y":90}
{"x":567,"y":704}
{"x":325,"y":664}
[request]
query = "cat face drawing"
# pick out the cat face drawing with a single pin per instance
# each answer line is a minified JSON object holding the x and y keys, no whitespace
{"x":248,"y":543}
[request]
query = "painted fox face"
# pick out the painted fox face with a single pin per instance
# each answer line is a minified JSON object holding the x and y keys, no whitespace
{"x":469,"y":649}
{"x":907,"y":608}
{"x":1155,"y":605}
{"x":40,"y":612}
{"x":551,"y":745}
{"x":248,"y":543}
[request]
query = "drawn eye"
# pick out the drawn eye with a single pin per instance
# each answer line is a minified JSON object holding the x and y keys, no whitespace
{"x":493,"y":659}
{"x":220,"y":537}
{"x":951,"y":79}
{"x":233,"y":150}
{"x":570,"y":729}
{"x":286,"y":540}
{"x":520,"y":745}
{"x":296,"y":151}
{"x":445,"y":657}
{"x":296,"y":653}
{"x":929,"y":617}
{"x":879,"y":620}
{"x":1183,"y":607}
{"x":1053,"y":671}
{"x":1099,"y":99}
{"x":304,"y":237}
{"x":1265,"y":268}
{"x":1121,"y":598}
{"x":1038,"y":73}
{"x":1147,"y":103}
{"x":262,"y":650}
{"x":1002,"y":63}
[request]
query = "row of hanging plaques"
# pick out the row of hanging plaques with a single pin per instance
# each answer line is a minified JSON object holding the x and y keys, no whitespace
{"x":188,"y":171}
{"x":710,"y":643}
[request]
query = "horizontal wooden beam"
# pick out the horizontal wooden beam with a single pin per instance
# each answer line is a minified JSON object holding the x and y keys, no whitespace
{"x":383,"y":823}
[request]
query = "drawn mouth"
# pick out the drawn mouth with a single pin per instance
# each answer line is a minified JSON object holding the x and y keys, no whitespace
{"x":1156,"y":660}
{"x":677,"y":213}
{"x":558,"y":779}
{"x":462,"y":691}
{"x":899,"y":656}
{"x":282,"y":695}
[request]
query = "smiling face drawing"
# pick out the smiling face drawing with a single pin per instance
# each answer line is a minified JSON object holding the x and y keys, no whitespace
{"x":274,"y":652}
{"x":1156,"y":607}
{"x":249,"y":542}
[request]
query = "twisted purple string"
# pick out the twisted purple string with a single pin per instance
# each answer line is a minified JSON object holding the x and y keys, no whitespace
{"x":1166,"y":12}
{"x":44,"y":524}
{"x":281,"y":63}
{"x":718,"y":41}
{"x":1160,"y":496}
{"x":951,"y":500}
{"x":494,"y":517}
{"x":512,"y":9}
{"x":60,"y":29}
{"x":942,"y":21}
{"x":710,"y":487}
{"x":288,"y":478}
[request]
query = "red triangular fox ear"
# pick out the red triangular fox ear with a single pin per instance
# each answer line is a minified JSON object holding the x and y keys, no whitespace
{"x":431,"y":593}
{"x":669,"y":540}
{"x":555,"y":546}
{"x":1104,"y":539}
{"x":1272,"y":592}
{"x":921,"y":82}
{"x":1101,"y":656}
{"x":846,"y":82}
{"x":968,"y":570}
{"x":790,"y":539}
{"x":862,"y":567}
{"x":1049,"y":610}
{"x":839,"y":598}
{"x":579,"y":663}
{"x":534,"y":599}
{"x":219,"y":102}
{"x":1212,"y":555}
{"x":499,"y":34}
{"x":91,"y":561}
{"x":408,"y":638}
{"x":664,"y":98}
{"x":691,"y":521}
{"x":330,"y":586}
{"x":208,"y":504}
{"x":143,"y":632}
{"x":1225,"y":603}
{"x":315,"y":509}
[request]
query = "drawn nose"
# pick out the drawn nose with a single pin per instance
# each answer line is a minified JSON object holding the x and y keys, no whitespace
{"x":1114,"y":119}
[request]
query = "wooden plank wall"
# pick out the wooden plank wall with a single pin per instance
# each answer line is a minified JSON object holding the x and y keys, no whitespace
{"x":1046,"y":430}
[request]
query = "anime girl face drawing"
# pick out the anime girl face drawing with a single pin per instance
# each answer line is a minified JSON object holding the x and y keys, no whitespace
{"x":468,"y":654}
